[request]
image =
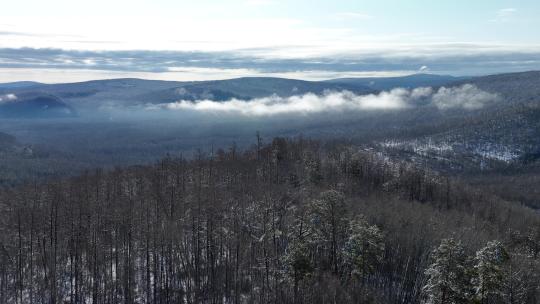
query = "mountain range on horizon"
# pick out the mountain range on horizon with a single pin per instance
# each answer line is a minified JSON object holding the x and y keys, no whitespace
{"x":510,"y":121}
{"x":92,"y":94}
{"x":68,"y":99}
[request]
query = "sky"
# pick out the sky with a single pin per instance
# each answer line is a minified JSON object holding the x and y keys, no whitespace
{"x":76,"y":40}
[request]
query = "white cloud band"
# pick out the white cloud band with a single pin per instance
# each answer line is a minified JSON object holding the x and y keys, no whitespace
{"x":467,"y":97}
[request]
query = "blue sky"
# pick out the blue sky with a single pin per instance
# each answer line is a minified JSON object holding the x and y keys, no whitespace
{"x":60,"y":40}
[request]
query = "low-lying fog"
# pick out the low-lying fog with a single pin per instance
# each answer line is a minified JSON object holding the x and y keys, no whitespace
{"x":467,"y":97}
{"x":122,"y":135}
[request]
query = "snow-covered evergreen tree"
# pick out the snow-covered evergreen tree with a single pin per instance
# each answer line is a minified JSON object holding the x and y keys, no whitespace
{"x":448,"y":277}
{"x":329,"y":221}
{"x":298,"y":259}
{"x":299,"y":264}
{"x":489,"y":272}
{"x":364,"y":248}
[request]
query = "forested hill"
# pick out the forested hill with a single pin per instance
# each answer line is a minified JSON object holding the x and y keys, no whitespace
{"x":293,"y":221}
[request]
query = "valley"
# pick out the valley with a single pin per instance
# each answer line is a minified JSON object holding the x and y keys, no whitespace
{"x":110,"y":124}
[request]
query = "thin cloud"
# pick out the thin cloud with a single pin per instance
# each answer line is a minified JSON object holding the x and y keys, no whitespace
{"x":260,"y":2}
{"x":506,"y":12}
{"x":34,"y":34}
{"x":14,"y":33}
{"x":355,"y":15}
{"x":504,"y":15}
{"x":63,"y":75}
{"x":455,"y":59}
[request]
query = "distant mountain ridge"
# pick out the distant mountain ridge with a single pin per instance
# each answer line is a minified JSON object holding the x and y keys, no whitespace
{"x":513,"y":87}
{"x":410,"y":81}
{"x":97,"y":94}
{"x":35,"y":105}
{"x":130,"y":91}
{"x":19,"y":84}
{"x":248,"y":88}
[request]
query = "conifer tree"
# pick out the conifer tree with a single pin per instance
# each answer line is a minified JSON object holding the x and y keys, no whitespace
{"x":489,"y":273}
{"x":329,"y":223}
{"x":364,"y":248}
{"x":448,"y":278}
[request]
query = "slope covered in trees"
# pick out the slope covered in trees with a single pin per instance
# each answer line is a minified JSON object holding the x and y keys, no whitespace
{"x":294,"y":221}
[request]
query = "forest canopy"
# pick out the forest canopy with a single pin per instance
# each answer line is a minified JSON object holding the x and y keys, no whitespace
{"x":291,"y":221}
